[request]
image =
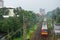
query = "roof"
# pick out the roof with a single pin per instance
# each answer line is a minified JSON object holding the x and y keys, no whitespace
{"x":7,"y":8}
{"x":57,"y":24}
{"x":57,"y":31}
{"x":44,"y":19}
{"x":5,"y":16}
{"x":44,"y":24}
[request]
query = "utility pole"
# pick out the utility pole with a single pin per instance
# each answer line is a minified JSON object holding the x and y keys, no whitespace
{"x":53,"y":26}
{"x":24,"y":27}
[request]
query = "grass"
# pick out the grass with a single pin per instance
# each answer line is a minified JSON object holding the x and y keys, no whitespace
{"x":28,"y":34}
{"x":49,"y":24}
{"x":31,"y":31}
{"x":50,"y":28}
{"x":20,"y":38}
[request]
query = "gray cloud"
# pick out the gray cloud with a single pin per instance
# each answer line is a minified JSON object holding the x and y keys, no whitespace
{"x":33,"y":5}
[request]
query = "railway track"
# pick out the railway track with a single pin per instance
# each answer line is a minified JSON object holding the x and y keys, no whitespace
{"x":58,"y":39}
{"x":36,"y":34}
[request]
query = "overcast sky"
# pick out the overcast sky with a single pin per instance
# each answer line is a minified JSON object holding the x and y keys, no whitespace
{"x":33,"y":5}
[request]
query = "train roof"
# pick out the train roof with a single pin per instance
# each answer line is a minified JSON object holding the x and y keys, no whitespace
{"x":57,"y":24}
{"x":44,"y":24}
{"x":44,"y":19}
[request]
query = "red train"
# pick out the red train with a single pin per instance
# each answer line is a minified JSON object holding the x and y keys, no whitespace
{"x":44,"y":29}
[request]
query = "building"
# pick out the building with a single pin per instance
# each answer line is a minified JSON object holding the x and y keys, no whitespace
{"x":42,"y":11}
{"x":10,"y":14}
{"x":1,"y":3}
{"x":11,"y":11}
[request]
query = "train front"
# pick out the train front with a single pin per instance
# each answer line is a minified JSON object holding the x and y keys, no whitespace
{"x":44,"y":29}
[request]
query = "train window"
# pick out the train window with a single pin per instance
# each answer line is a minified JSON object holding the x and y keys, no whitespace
{"x":44,"y":23}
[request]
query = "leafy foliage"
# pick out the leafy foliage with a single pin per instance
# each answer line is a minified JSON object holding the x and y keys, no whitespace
{"x":55,"y":14}
{"x":14,"y":23}
{"x":4,"y":11}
